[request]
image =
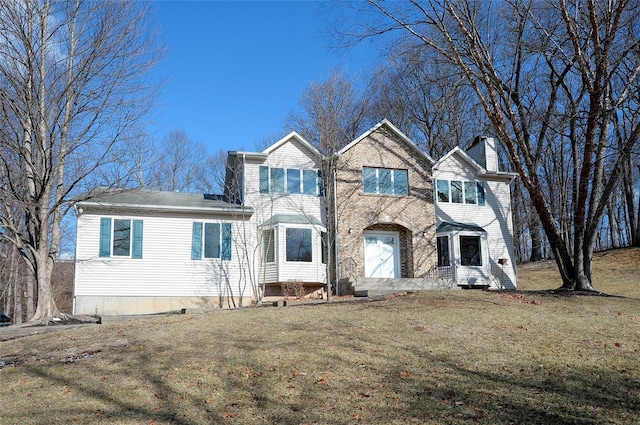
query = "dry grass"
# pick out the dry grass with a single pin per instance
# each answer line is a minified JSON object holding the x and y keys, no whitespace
{"x":458,"y":357}
{"x":616,"y":272}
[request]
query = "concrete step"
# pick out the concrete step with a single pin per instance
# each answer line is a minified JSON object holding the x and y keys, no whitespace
{"x":373,"y":286}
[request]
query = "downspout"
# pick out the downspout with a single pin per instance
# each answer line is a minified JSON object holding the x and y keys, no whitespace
{"x":335,"y":231}
{"x":75,"y":259}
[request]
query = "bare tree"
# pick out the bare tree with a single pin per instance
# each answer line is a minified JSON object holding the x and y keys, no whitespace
{"x":543,"y":73}
{"x":73,"y":87}
{"x":332,"y":113}
{"x":428,"y":99}
{"x":177,"y":167}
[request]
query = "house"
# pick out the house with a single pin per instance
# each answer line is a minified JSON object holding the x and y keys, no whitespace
{"x":386,"y":220}
{"x":474,"y":233}
{"x":283,"y":184}
{"x":146,"y":252}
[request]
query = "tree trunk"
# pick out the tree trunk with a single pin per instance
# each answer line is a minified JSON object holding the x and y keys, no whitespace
{"x":15,"y":280}
{"x":536,"y":239}
{"x":46,"y":308}
{"x":30,"y":298}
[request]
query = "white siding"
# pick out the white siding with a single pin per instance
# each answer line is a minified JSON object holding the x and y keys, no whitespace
{"x":291,"y":154}
{"x":166,"y":267}
{"x":494,"y":217}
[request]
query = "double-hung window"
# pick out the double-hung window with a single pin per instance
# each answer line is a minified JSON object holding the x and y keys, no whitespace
{"x":211,"y":239}
{"x":268,"y":246}
{"x":120,"y":237}
{"x":443,"y":251}
{"x":385,"y":181}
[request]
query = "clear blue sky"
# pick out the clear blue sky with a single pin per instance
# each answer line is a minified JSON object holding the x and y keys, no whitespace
{"x":237,"y":68}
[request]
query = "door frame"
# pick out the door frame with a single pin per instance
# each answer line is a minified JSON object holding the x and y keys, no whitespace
{"x":396,"y":249}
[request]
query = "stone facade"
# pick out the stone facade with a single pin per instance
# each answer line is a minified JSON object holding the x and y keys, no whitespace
{"x":411,"y":217}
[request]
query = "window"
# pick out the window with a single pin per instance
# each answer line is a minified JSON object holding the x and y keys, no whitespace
{"x":442,"y":190}
{"x":385,"y":181}
{"x":212,"y":240}
{"x":290,"y":180}
{"x":268,"y":248}
{"x":456,"y":192}
{"x":299,"y":245}
{"x":309,"y":180}
{"x":120,"y":238}
{"x":467,"y":192}
{"x":470,"y":252}
{"x":277,"y":180}
{"x":470,"y":192}
{"x":443,"y":251}
{"x":293,"y":180}
{"x":215,"y":241}
{"x":325,"y":248}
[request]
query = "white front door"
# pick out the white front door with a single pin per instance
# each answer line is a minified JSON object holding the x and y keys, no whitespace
{"x":381,"y":255}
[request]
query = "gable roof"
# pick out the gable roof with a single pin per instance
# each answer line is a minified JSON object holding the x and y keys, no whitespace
{"x":474,"y":164}
{"x":296,"y":136}
{"x":464,"y":156}
{"x":393,"y":129}
{"x":148,"y":200}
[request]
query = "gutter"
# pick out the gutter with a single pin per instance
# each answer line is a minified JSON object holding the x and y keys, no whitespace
{"x":243,"y":209}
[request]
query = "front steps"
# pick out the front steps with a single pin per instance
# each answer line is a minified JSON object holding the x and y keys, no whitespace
{"x":371,"y":287}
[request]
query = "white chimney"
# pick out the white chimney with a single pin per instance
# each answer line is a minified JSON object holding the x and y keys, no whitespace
{"x":483,"y":151}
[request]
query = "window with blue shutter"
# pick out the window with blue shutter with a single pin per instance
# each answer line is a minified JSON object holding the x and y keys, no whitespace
{"x":211,"y":240}
{"x":105,"y":237}
{"x":196,"y":241}
{"x":120,"y":237}
{"x":480,"y":193}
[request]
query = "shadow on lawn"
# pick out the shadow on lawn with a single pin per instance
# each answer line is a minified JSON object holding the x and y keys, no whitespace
{"x":148,"y":399}
{"x":453,"y":392}
{"x":404,"y":384}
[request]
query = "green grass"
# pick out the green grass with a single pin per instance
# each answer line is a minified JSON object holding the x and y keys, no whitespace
{"x":458,"y":357}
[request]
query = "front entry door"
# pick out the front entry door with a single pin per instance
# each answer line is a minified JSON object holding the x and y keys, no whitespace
{"x":381,"y":255}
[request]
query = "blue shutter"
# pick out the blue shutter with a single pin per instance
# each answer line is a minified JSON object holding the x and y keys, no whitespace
{"x":105,"y":237}
{"x":196,"y":241}
{"x":480,"y":193}
{"x":136,"y":252}
{"x":264,"y":179}
{"x":226,"y":241}
{"x":320,"y":184}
